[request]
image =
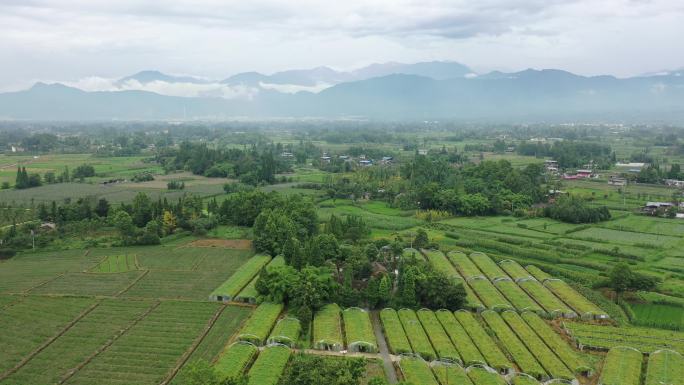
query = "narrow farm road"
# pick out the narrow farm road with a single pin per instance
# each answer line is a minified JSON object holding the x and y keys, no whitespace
{"x":384,"y":351}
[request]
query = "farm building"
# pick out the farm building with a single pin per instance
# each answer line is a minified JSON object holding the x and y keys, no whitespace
{"x":633,"y":167}
{"x":616,"y":181}
{"x":674,"y":183}
{"x":652,"y":207}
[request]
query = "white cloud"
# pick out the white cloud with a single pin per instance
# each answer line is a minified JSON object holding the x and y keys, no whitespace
{"x":72,"y":39}
{"x":294,"y":88}
{"x":212,"y":89}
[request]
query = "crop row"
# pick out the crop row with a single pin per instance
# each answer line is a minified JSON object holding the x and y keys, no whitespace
{"x":491,"y":297}
{"x":359,"y":331}
{"x":516,"y":349}
{"x":235,"y":359}
{"x":394,"y":332}
{"x":551,"y":304}
{"x":420,"y":342}
{"x":560,"y":347}
{"x":259,"y":325}
{"x":514,"y":270}
{"x":214,"y":342}
{"x":451,"y":374}
{"x":86,"y":336}
{"x":548,"y":360}
{"x":116,"y":264}
{"x":637,"y":332}
{"x":538,"y":273}
{"x":622,"y":366}
{"x":269,"y":365}
{"x":446,"y":266}
{"x":487,"y":266}
{"x":249,"y":293}
{"x":229,"y":289}
{"x":482,"y":376}
{"x":467,"y":268}
{"x":489,"y":349}
{"x":513,"y":286}
{"x":665,"y":367}
{"x":469,"y":353}
{"x":327,"y":328}
{"x":148,"y":351}
{"x":286,"y":332}
{"x":606,"y":337}
{"x":516,"y":296}
{"x":523,"y":379}
{"x":31,"y":322}
{"x":417,"y":371}
{"x":439,"y":338}
{"x":575,"y":300}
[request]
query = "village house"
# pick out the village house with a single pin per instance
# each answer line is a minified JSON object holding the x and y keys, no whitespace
{"x":617,"y":181}
{"x":651,"y":208}
{"x":674,"y":183}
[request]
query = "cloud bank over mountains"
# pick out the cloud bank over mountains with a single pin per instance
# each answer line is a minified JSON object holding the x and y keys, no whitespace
{"x":423,"y":91}
{"x":247,"y":85}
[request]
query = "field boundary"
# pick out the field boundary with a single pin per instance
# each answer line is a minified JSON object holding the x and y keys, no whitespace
{"x":186,"y":356}
{"x":14,"y":301}
{"x":47,"y":343}
{"x":109,"y":343}
{"x":29,"y":290}
{"x":127,"y":288}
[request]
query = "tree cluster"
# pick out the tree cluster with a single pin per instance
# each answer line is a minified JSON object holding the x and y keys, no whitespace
{"x":251,"y":166}
{"x":570,"y":153}
{"x":573,"y":209}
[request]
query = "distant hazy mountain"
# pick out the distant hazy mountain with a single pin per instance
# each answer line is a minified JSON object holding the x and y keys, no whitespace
{"x":530,"y":95}
{"x":437,"y":70}
{"x":325,"y":75}
{"x":145,"y":77}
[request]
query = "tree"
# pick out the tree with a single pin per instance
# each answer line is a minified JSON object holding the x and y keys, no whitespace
{"x":169,"y":222}
{"x":142,"y":209}
{"x":437,"y":291}
{"x":102,"y":208}
{"x":421,"y":240}
{"x":407,"y":287}
{"x":293,"y":253}
{"x":324,"y":247}
{"x":83,"y":171}
{"x":384,"y":290}
{"x":150,"y":235}
{"x":123,"y":222}
{"x":22,"y":179}
{"x":272,"y":229}
{"x":620,"y":278}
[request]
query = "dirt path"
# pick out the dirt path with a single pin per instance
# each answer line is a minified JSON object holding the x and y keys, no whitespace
{"x":384,"y":351}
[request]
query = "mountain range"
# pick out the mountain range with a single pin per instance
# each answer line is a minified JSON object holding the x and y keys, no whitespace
{"x":430,"y":90}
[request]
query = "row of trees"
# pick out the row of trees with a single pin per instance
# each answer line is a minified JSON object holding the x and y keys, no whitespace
{"x":25,"y":180}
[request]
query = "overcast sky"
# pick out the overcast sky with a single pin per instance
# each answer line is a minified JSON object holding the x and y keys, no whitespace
{"x":67,"y":40}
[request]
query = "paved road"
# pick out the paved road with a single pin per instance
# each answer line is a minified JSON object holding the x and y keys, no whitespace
{"x":390,"y":372}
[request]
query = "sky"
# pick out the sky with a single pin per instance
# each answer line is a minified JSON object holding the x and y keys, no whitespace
{"x":91,"y":41}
